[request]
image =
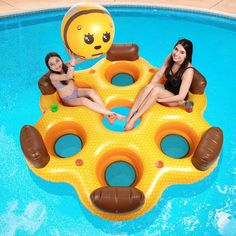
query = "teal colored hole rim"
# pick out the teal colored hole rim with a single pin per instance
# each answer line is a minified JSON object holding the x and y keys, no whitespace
{"x":76,"y":141}
{"x":128,"y":165}
{"x":175,"y":146}
{"x":122,"y":79}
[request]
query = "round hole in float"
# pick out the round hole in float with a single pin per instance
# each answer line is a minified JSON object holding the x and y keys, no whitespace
{"x":68,"y":145}
{"x":123,"y":156}
{"x":118,"y":125}
{"x":122,"y":79}
{"x":121,"y":73}
{"x":175,"y":146}
{"x":120,"y":173}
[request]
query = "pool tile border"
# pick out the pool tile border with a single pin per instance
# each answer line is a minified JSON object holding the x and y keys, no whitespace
{"x":131,"y":4}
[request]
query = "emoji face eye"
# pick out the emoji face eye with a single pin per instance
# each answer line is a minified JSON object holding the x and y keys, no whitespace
{"x":106,"y":37}
{"x":88,"y":38}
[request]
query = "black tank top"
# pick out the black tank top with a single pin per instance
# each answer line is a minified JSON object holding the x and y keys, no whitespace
{"x":172,"y":83}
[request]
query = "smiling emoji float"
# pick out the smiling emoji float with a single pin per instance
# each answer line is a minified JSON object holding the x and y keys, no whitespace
{"x":87,"y":30}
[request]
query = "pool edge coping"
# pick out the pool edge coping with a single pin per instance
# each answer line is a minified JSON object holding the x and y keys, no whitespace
{"x":132,"y":4}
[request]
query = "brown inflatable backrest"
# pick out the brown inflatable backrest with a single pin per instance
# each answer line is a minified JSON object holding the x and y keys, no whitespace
{"x":33,"y":146}
{"x":208,"y":149}
{"x":45,"y":85}
{"x":127,"y":52}
{"x":117,"y":199}
{"x":198,"y":84}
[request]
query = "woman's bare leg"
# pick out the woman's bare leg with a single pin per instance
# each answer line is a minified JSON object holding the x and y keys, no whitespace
{"x":139,"y":100}
{"x":157,"y":92}
{"x":83,"y":101}
{"x":148,"y":102}
{"x":91,"y":93}
{"x":100,"y":108}
{"x":174,"y":104}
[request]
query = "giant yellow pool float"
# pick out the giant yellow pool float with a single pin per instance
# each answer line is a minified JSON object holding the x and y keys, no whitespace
{"x":140,"y":147}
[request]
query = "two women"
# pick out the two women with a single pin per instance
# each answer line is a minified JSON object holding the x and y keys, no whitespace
{"x":177,"y":69}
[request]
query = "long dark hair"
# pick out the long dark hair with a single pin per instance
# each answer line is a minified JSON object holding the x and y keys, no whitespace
{"x":188,"y":46}
{"x":54,"y":54}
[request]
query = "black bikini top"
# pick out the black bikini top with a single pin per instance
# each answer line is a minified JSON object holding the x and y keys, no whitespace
{"x":173,"y":82}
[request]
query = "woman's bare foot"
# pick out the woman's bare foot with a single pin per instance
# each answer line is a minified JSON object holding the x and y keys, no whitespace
{"x":130,"y":124}
{"x":129,"y":117}
{"x":111,"y":118}
{"x":120,"y":117}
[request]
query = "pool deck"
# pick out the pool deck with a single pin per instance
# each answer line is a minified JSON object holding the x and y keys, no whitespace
{"x":224,"y":7}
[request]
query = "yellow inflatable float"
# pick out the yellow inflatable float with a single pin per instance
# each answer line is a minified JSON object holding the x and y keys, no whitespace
{"x":141,"y":148}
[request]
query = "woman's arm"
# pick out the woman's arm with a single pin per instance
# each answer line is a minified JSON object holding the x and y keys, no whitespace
{"x":184,"y":88}
{"x":73,"y":61}
{"x":146,"y":90}
{"x":161,"y":72}
{"x":60,"y":77}
{"x":71,"y":64}
{"x":78,"y":60}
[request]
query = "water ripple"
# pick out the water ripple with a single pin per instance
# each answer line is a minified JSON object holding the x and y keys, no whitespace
{"x":29,"y":221}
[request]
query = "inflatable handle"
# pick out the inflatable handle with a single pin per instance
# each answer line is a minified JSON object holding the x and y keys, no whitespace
{"x":33,"y":146}
{"x":127,"y":52}
{"x":117,"y":199}
{"x":198,"y":84}
{"x":208,"y":148}
{"x":45,"y":85}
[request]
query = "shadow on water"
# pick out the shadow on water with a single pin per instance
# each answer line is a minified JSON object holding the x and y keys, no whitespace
{"x":190,"y":190}
{"x":139,"y":224}
{"x":52,"y":187}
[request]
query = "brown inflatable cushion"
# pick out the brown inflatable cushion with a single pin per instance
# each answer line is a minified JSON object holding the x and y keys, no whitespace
{"x":208,"y":149}
{"x":117,"y":199}
{"x":45,"y":85}
{"x":33,"y":146}
{"x":127,"y":52}
{"x":198,"y":84}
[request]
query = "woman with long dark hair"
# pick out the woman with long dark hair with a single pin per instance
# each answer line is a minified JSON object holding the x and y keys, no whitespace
{"x":178,"y":71}
{"x":61,"y":77}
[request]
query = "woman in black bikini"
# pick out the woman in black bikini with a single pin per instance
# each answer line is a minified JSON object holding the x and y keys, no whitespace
{"x":61,"y":77}
{"x":178,"y":71}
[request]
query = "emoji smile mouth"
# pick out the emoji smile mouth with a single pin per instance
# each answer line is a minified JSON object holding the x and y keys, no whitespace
{"x":97,"y":54}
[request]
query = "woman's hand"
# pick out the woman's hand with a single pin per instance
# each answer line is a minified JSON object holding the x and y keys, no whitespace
{"x":69,"y":52}
{"x":79,"y":60}
{"x":72,"y":57}
{"x":73,"y":60}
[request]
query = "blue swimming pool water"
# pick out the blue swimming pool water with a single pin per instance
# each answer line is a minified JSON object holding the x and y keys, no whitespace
{"x":31,"y":206}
